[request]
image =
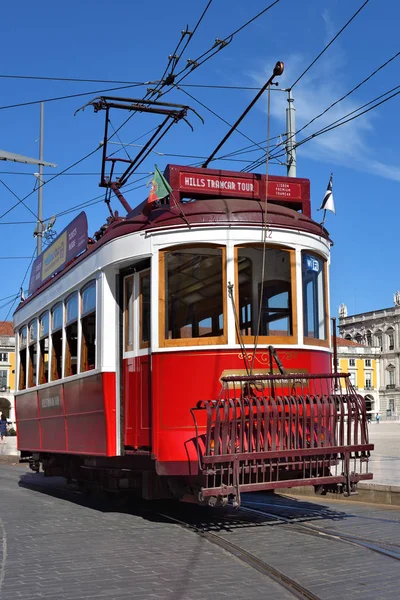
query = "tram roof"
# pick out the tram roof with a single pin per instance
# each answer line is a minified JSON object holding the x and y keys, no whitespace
{"x":207,"y":212}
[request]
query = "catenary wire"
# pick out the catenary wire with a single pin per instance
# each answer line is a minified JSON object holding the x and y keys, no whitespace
{"x":330,"y":43}
{"x":51,"y":179}
{"x":68,"y":96}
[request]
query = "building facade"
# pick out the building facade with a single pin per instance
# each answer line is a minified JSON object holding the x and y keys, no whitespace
{"x":363,"y":364}
{"x":7,"y":370}
{"x":380,"y":328}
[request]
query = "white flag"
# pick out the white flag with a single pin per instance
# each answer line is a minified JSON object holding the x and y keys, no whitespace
{"x":327,"y":202}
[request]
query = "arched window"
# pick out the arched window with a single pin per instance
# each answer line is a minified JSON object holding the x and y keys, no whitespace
{"x":348,"y":337}
{"x":22,"y":358}
{"x":368,"y":337}
{"x":32,"y":352}
{"x":44,"y":348}
{"x":358,"y":338}
{"x":56,"y":340}
{"x":378,"y":339}
{"x":390,"y":338}
{"x":71,"y":335}
{"x":88,"y":322}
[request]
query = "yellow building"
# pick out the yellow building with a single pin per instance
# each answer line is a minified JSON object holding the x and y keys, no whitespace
{"x":7,"y":370}
{"x":363,"y":364}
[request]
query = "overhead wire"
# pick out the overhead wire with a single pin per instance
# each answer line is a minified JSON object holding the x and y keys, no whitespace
{"x":329,"y":44}
{"x":68,"y":96}
{"x":43,"y":183}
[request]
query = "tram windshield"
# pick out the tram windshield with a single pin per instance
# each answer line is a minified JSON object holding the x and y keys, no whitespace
{"x":194,"y":293}
{"x":265,"y":281}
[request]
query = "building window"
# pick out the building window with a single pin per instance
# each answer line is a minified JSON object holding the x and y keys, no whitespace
{"x":378,"y":340}
{"x":390,"y":337}
{"x":56,"y":341}
{"x":314,"y":297}
{"x":194,"y":295}
{"x":44,"y":348}
{"x":22,"y":358}
{"x":3,"y":356}
{"x":32,"y":352}
{"x":391,"y":378}
{"x":368,"y":381}
{"x":3,"y":381}
{"x":128,"y":313}
{"x":358,"y":338}
{"x":353,"y":379}
{"x":71,"y":335}
{"x":367,"y":362}
{"x":144,"y":293}
{"x":88,"y":321}
{"x":369,"y":338}
{"x":352,"y":362}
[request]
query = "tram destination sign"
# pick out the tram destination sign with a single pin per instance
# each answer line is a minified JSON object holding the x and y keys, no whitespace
{"x":234,"y":185}
{"x":71,"y":242}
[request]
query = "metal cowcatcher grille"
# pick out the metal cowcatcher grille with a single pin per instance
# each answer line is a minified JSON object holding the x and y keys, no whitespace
{"x":273,"y":431}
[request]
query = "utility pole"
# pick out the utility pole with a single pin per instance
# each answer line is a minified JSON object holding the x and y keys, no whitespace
{"x":40,"y":182}
{"x":291,"y":137}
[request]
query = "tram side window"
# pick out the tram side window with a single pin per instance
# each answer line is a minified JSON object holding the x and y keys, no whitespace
{"x":194,"y":293}
{"x":32,"y":352}
{"x":71,"y":335}
{"x":271,"y":288}
{"x":144,"y":309}
{"x":56,"y":340}
{"x":22,"y":358}
{"x":44,"y":348}
{"x":88,"y":321}
{"x":314,"y":297}
{"x":128,"y":313}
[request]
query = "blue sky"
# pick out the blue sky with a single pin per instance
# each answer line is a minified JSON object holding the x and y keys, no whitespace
{"x":131,"y":42}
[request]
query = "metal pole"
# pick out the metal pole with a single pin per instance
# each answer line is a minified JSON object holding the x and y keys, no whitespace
{"x":40,"y":182}
{"x":278,"y":70}
{"x":335,"y":361}
{"x":291,"y":137}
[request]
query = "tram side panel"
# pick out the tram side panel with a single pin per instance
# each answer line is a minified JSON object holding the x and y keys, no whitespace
{"x":76,"y":417}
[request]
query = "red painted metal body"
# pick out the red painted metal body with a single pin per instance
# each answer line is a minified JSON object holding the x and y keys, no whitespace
{"x":181,"y":379}
{"x":55,"y":419}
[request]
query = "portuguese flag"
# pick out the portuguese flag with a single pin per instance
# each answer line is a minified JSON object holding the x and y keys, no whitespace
{"x":159,"y":189}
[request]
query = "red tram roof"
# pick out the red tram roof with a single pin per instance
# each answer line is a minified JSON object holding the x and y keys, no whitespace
{"x":201,"y":212}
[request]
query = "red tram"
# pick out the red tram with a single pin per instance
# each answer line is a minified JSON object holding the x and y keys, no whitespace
{"x":185,"y":352}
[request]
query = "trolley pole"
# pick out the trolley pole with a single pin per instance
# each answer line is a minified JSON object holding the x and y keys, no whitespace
{"x":291,"y":136}
{"x":40,"y":188}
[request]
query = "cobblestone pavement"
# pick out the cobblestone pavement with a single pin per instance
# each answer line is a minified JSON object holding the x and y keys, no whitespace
{"x":385,"y":459}
{"x":53,"y":544}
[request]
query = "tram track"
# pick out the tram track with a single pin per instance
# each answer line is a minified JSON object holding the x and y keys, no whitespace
{"x":294,"y":587}
{"x":377,"y":546}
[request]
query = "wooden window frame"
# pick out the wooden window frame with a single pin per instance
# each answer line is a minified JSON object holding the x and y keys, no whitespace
{"x":83,"y":315}
{"x":53,"y":332}
{"x":31,"y":347}
{"x":143,"y":344}
{"x":309,"y":341}
{"x":271,"y":339}
{"x":22,"y":352}
{"x":204,"y":341}
{"x":41,"y":358}
{"x":129,"y":347}
{"x":67,"y":325}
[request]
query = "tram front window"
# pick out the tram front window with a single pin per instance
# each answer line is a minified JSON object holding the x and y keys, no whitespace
{"x":314,"y":297}
{"x":194,"y":293}
{"x":265,"y":280}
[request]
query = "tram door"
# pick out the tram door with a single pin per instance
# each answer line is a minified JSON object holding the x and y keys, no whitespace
{"x":136,"y":357}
